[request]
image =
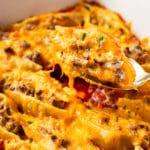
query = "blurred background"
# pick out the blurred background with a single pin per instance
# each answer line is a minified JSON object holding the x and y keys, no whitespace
{"x":136,"y":11}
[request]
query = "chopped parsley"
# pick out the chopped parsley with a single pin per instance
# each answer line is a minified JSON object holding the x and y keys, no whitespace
{"x":31,"y":140}
{"x":83,"y":36}
{"x":66,"y":94}
{"x":30,"y":122}
{"x":101,"y":39}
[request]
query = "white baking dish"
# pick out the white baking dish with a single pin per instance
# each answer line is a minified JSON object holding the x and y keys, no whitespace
{"x":136,"y":11}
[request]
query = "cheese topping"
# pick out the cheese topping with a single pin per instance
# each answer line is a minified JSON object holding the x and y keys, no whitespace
{"x":62,"y":80}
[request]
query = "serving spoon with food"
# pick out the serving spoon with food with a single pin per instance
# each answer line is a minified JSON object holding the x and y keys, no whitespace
{"x":95,"y":57}
{"x":91,"y":55}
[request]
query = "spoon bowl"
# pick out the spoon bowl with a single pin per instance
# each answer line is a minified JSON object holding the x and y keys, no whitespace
{"x":141,"y":75}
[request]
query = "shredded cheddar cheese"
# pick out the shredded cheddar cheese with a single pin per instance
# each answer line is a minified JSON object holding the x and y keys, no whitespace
{"x":63,"y":79}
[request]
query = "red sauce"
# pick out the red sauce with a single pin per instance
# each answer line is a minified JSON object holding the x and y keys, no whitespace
{"x":94,"y":94}
{"x":97,"y":95}
{"x":1,"y":145}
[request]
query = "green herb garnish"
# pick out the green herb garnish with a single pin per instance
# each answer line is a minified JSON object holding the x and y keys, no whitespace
{"x":66,"y":94}
{"x":83,"y":36}
{"x":30,"y":122}
{"x":30,"y":140}
{"x":101,"y":39}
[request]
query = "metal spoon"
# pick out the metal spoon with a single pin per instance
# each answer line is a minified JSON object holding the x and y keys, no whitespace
{"x":141,"y":75}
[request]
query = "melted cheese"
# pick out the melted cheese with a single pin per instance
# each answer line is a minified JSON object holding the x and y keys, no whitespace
{"x":53,"y":76}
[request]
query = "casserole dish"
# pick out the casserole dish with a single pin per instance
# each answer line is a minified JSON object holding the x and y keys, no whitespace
{"x":64,"y":78}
